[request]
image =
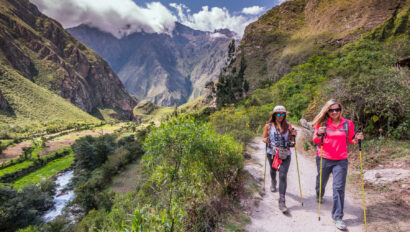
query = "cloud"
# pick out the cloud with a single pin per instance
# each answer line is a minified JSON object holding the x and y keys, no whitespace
{"x":124,"y":17}
{"x":281,"y":1}
{"x":212,"y":19}
{"x":253,"y":10}
{"x":116,"y":17}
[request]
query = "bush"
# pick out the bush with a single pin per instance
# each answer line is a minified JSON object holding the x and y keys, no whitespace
{"x":20,"y":209}
{"x":48,"y":186}
{"x":90,"y":153}
{"x":90,"y":192}
{"x":186,"y":163}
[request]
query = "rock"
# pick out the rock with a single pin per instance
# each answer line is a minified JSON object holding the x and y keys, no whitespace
{"x":385,"y":176}
{"x":307,"y":125}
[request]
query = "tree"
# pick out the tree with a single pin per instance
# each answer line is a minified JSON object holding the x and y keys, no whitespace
{"x":27,"y":151}
{"x":231,"y":88}
{"x":90,"y":153}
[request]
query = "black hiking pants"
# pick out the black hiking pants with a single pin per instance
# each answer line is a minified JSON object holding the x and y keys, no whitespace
{"x":339,"y":170}
{"x":283,"y":172}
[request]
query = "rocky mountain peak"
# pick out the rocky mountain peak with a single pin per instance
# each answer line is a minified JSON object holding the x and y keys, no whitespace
{"x":164,"y":69}
{"x":44,"y":52}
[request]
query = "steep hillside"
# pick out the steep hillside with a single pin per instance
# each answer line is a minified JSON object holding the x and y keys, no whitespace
{"x":287,"y":35}
{"x":39,"y":49}
{"x":4,"y":105}
{"x":164,"y":69}
{"x":31,"y":104}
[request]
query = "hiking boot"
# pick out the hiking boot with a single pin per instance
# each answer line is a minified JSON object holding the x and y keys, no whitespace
{"x":321,"y":201}
{"x":273,"y":186}
{"x":282,"y":205}
{"x":340,"y":224}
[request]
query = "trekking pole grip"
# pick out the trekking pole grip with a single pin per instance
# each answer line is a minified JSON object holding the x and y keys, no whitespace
{"x":360,"y":141}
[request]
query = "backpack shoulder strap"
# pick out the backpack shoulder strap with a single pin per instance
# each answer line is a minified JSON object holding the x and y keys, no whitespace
{"x":346,"y":129}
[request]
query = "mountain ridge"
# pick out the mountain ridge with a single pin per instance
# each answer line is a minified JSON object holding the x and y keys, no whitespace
{"x":288,"y":34}
{"x":44,"y":53}
{"x":165,"y":69}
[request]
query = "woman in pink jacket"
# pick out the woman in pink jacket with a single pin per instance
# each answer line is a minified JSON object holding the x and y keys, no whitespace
{"x":337,"y":132}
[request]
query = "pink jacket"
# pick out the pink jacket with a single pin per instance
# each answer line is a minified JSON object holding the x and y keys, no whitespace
{"x":334,"y":143}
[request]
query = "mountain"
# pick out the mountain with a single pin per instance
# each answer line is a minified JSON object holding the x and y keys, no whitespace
{"x":39,"y":49}
{"x":166,"y":69}
{"x":288,"y":34}
{"x":4,"y":105}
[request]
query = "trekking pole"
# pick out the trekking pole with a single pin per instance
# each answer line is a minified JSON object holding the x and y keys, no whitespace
{"x":264,"y":174}
{"x":297,"y":165}
{"x":361,"y":174}
{"x":320,"y":180}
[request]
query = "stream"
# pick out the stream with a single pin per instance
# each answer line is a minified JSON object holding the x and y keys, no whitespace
{"x":61,"y":198}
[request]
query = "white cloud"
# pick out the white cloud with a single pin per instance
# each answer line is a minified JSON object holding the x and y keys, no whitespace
{"x":281,"y":1}
{"x":116,"y":17}
{"x":125,"y":16}
{"x":212,"y":19}
{"x":253,"y":10}
{"x":217,"y":35}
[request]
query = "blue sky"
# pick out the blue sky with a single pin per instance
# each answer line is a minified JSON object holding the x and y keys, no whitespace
{"x":122,"y":17}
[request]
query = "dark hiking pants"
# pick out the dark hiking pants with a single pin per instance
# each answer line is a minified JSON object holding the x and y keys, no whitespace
{"x":339,"y":170}
{"x":283,"y":172}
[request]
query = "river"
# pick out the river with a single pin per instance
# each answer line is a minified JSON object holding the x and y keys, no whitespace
{"x":61,"y":199}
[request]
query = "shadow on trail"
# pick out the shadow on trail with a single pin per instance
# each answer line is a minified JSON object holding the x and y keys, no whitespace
{"x":310,"y":204}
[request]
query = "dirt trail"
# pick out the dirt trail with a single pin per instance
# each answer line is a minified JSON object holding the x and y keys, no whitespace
{"x":266,"y":215}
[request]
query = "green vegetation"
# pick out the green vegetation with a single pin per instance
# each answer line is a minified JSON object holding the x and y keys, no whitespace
{"x":185,"y":166}
{"x":97,"y":160}
{"x":147,"y":111}
{"x":361,"y":75}
{"x":16,"y":167}
{"x":19,"y":209}
{"x":16,"y":171}
{"x":49,"y":170}
{"x":91,"y":153}
{"x":34,"y":108}
{"x":231,"y":87}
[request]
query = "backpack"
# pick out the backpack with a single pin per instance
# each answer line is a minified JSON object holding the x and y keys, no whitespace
{"x":289,"y":143}
{"x":346,"y":129}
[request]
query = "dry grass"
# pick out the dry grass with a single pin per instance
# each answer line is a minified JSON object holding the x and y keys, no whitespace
{"x":128,"y":179}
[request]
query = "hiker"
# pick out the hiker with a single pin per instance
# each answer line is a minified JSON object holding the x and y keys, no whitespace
{"x":337,"y":132}
{"x":278,"y":135}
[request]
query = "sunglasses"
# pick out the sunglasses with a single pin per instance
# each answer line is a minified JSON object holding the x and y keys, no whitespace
{"x":283,"y":114}
{"x":335,"y":110}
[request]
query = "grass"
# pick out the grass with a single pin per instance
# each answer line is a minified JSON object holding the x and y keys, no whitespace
{"x":128,"y":179}
{"x":97,"y":130}
{"x":32,"y":104}
{"x":148,"y":111}
{"x":16,"y":167}
{"x":382,"y":151}
{"x":105,"y":114}
{"x":49,"y":170}
{"x":6,"y":142}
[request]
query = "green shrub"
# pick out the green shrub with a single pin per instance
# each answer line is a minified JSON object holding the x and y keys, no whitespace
{"x":90,"y":153}
{"x":21,"y":209}
{"x":48,"y":186}
{"x":186,"y":165}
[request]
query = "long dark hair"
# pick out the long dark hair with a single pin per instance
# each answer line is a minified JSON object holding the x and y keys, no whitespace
{"x":284,"y":124}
